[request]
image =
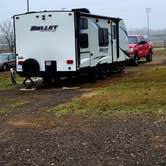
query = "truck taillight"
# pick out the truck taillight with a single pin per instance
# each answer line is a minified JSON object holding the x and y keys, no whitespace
{"x":69,"y":62}
{"x":20,"y":62}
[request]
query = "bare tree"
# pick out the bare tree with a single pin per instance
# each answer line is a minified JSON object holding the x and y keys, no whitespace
{"x":6,"y":30}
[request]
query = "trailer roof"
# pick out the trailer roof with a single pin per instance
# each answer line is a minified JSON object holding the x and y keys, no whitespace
{"x":80,"y":13}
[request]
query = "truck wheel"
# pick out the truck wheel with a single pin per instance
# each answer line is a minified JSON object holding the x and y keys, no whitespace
{"x":149,"y":57}
{"x":135,"y":60}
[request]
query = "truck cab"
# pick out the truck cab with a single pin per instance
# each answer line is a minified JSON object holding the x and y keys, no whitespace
{"x":139,"y":48}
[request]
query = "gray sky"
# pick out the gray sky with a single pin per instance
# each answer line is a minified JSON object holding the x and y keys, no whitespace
{"x":132,"y":11}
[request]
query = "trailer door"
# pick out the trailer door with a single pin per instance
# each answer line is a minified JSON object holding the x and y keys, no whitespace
{"x":84,"y":43}
{"x":114,"y":42}
{"x":84,"y":50}
{"x":88,"y":43}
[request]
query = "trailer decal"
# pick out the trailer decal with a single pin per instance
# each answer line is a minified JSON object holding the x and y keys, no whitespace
{"x":51,"y":28}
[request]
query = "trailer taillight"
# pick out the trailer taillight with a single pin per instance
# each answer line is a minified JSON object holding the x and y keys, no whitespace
{"x":20,"y":62}
{"x":69,"y":62}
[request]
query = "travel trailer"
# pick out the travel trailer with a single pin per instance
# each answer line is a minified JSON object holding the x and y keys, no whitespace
{"x":52,"y":44}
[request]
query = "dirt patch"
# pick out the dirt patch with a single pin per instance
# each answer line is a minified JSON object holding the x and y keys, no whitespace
{"x":30,"y":137}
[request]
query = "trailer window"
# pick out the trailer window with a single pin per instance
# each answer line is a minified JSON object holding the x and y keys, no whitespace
{"x":84,"y":40}
{"x":103,"y":37}
{"x":83,"y":23}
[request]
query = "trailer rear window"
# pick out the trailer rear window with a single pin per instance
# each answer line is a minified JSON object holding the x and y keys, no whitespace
{"x":84,"y":40}
{"x":83,"y":23}
{"x":103,"y":37}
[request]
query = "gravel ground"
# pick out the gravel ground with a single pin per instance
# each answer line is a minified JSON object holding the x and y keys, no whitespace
{"x":138,"y":140}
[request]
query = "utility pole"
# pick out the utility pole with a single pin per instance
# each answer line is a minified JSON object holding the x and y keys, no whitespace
{"x":27,"y":6}
{"x":148,"y":10}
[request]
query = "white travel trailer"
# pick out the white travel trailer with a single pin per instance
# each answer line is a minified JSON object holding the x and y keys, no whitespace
{"x":52,"y":44}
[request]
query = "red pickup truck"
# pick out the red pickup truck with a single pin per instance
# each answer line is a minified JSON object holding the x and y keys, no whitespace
{"x":139,"y":48}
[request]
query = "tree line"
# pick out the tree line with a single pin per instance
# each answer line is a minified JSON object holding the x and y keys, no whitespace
{"x":7,"y":35}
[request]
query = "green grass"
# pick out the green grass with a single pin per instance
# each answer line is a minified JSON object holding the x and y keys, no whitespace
{"x":6,"y":84}
{"x":11,"y":104}
{"x":140,"y":92}
{"x":159,"y":51}
{"x":5,"y":81}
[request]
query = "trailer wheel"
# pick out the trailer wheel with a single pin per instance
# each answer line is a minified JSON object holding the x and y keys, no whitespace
{"x":120,"y":69}
{"x":92,"y":75}
{"x":102,"y":73}
{"x":51,"y":81}
{"x":47,"y":80}
{"x":149,"y":57}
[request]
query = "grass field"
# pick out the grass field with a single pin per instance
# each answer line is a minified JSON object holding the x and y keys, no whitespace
{"x":159,"y":51}
{"x":140,"y":92}
{"x":6,"y":83}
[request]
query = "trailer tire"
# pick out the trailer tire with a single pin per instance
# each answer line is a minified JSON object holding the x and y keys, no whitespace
{"x":30,"y":68}
{"x":102,"y":72}
{"x":92,"y":75}
{"x":47,"y":80}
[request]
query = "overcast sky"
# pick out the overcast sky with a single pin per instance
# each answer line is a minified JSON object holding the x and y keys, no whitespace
{"x":132,"y":11}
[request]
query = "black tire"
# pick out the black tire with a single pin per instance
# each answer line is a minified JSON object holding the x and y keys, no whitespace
{"x":5,"y":67}
{"x":51,"y":81}
{"x":102,"y":73}
{"x":92,"y":75}
{"x":47,"y":80}
{"x":149,"y":57}
{"x":120,"y":69}
{"x":135,"y":60}
{"x":30,"y":68}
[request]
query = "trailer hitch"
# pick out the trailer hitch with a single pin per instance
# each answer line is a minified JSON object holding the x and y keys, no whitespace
{"x":28,"y":83}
